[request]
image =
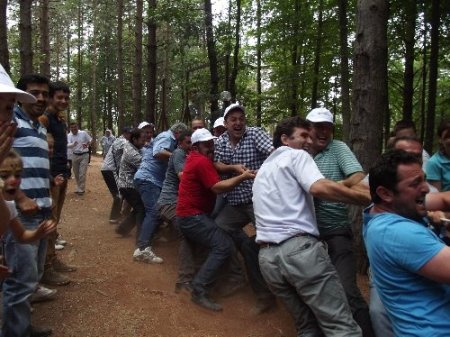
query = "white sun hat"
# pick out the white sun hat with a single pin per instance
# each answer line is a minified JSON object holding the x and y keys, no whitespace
{"x":201,"y":135}
{"x":7,"y":87}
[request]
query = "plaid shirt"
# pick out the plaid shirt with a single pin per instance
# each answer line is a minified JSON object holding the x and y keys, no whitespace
{"x":251,"y":151}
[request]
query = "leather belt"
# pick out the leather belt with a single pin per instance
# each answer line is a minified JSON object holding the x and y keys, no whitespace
{"x":273,"y":244}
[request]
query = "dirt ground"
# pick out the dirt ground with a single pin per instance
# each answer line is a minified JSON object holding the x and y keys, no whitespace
{"x":111,"y":295}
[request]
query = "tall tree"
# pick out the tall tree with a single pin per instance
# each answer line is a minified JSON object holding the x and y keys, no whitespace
{"x":120,"y":70}
{"x":317,"y":53}
{"x":4,"y":54}
{"x":44,"y":67}
{"x":237,"y":42}
{"x":258,"y":64}
{"x":410,"y":9}
{"x":137,"y":69}
{"x":151,"y":63}
{"x":433,"y":74}
{"x":345,"y":77}
{"x":212,"y":56}
{"x":80,"y":25}
{"x":370,"y":90}
{"x":25,"y":31}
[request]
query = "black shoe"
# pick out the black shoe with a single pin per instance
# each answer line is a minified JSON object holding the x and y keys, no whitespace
{"x":183,"y":287}
{"x":263,"y":305}
{"x":205,"y":302}
{"x":37,"y":331}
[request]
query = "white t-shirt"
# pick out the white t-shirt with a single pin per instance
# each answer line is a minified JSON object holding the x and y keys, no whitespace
{"x":82,"y":139}
{"x":282,"y":204}
{"x":12,"y":209}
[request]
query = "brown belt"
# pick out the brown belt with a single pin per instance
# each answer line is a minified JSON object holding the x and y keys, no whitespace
{"x":273,"y":244}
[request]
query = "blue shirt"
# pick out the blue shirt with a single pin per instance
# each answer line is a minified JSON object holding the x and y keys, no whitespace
{"x":153,"y":169}
{"x":30,"y":142}
{"x":397,"y":248}
{"x":438,"y":169}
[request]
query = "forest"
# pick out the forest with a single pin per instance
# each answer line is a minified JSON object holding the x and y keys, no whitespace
{"x":371,"y":62}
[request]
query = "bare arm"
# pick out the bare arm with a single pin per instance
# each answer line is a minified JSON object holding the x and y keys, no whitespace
{"x":26,"y":205}
{"x":438,"y":201}
{"x":163,"y":155}
{"x":26,"y":236}
{"x":332,"y":191}
{"x":228,"y":184}
{"x":438,"y":268}
{"x":225,"y":168}
{"x":353,"y":179}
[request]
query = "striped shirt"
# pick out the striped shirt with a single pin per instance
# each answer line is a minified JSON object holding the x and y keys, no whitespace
{"x":113,"y":157}
{"x":251,"y":151}
{"x":30,"y":142}
{"x":336,"y":162}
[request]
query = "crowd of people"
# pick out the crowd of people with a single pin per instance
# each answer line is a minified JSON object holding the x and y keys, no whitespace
{"x":246,"y":208}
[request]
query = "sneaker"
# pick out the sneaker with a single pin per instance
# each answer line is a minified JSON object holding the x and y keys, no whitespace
{"x":53,"y":278}
{"x":59,"y":247}
{"x":61,"y":241}
{"x":263,"y":305}
{"x":205,"y":302}
{"x":61,"y":267}
{"x":43,"y":294}
{"x":146,"y":256}
{"x":113,"y":221}
{"x":183,"y":287}
{"x":40,"y":331}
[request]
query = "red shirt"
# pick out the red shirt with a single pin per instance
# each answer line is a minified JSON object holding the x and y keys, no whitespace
{"x":195,"y":195}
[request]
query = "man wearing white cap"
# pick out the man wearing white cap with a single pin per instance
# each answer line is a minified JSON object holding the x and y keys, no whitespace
{"x":106,"y":142}
{"x":219,"y":127}
{"x":337,"y":162}
{"x":199,"y":184}
{"x":149,"y":129}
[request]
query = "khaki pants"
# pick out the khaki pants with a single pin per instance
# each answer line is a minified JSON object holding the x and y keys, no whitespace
{"x":80,"y":165}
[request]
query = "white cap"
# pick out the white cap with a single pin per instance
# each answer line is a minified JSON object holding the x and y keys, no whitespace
{"x":144,"y":124}
{"x":232,"y":107}
{"x":201,"y":135}
{"x":320,"y":115}
{"x":219,"y":122}
{"x":7,"y":87}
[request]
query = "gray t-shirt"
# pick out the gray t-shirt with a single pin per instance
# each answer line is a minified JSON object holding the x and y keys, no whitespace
{"x":169,"y":191}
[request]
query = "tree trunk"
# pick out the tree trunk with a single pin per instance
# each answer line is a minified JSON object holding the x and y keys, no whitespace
{"x":345,"y":82}
{"x":212,"y":56}
{"x":433,"y":74}
{"x":120,"y":77}
{"x":80,"y":63}
{"x":45,"y":40}
{"x":137,"y":67}
{"x":370,"y":94}
{"x":4,"y":53}
{"x":258,"y":65}
{"x":235,"y":70}
{"x":315,"y":84}
{"x":410,"y":8}
{"x":423,"y":90}
{"x":93,"y":107}
{"x":151,"y":65}
{"x":68,"y":52}
{"x":295,"y":61}
{"x":25,"y":30}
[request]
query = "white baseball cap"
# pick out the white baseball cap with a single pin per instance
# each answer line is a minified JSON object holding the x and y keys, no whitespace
{"x":144,"y":124}
{"x":320,"y":115}
{"x":201,"y":135}
{"x":232,"y":107}
{"x":7,"y":87}
{"x":219,"y":122}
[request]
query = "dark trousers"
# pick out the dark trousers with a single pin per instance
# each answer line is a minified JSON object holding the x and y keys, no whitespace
{"x":340,"y":249}
{"x":108,"y":177}
{"x":202,"y":230}
{"x":136,"y":215}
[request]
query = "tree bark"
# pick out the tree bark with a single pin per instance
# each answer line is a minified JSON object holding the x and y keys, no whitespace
{"x":433,"y":74}
{"x":45,"y":40}
{"x":410,"y":8}
{"x":151,"y":65}
{"x":212,"y":56}
{"x":345,"y":77}
{"x":137,"y":68}
{"x":4,"y":53}
{"x":258,"y":65}
{"x":295,"y":60}
{"x":25,"y":30}
{"x":120,"y":72}
{"x":315,"y":84}
{"x":80,"y":25}
{"x":370,"y":94}
{"x":237,"y":41}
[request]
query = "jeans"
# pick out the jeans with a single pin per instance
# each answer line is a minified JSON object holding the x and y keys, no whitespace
{"x":232,"y":219}
{"x":136,"y":216}
{"x":149,"y":194}
{"x":381,"y":322}
{"x":26,"y":262}
{"x":340,"y":249}
{"x":300,"y":273}
{"x":108,"y":177}
{"x":202,"y":230}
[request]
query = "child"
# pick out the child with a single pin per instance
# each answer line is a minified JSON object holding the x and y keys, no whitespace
{"x":10,"y":173}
